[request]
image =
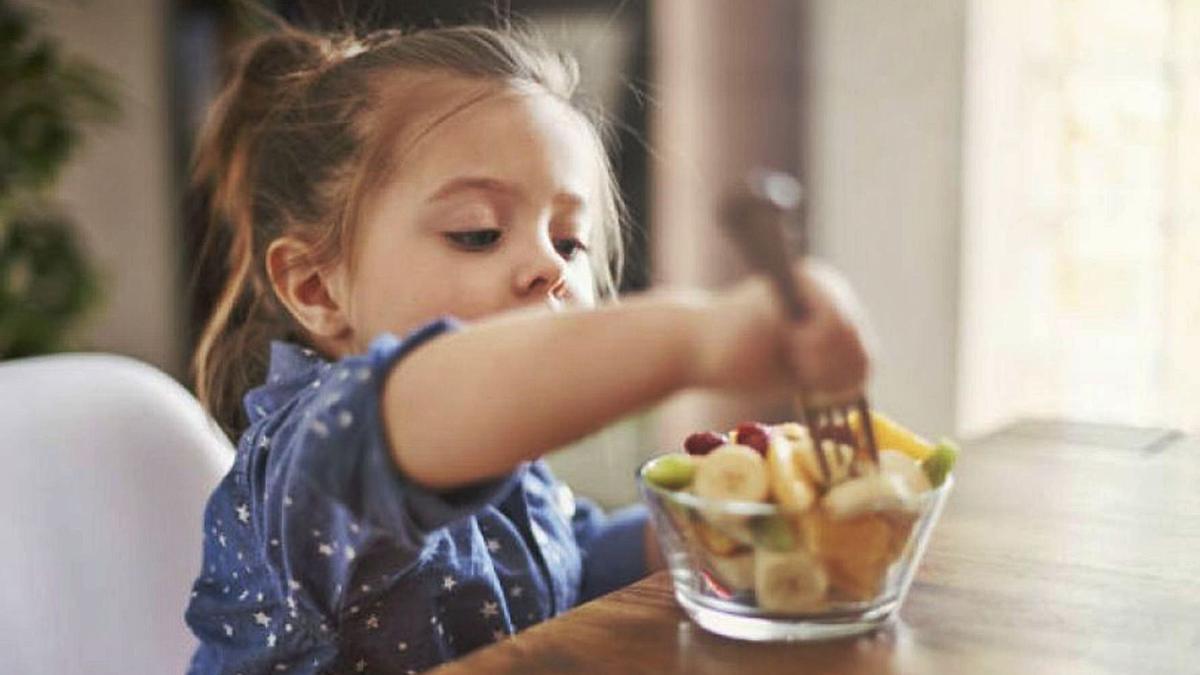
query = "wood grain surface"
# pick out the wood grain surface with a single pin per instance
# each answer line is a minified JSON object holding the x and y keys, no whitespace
{"x":1054,"y":555}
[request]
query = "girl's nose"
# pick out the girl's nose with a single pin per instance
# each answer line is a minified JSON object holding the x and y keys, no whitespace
{"x":541,"y":275}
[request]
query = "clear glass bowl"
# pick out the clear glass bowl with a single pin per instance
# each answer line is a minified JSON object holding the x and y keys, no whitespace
{"x":755,"y":571}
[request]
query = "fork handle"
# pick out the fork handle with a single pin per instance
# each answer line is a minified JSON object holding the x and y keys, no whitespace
{"x":755,"y":218}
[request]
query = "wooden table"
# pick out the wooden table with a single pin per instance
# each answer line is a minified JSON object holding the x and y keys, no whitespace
{"x":1064,"y":549}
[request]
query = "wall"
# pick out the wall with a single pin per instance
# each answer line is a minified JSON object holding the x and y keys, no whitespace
{"x":884,"y":164}
{"x":864,"y":99}
{"x":728,"y":78}
{"x":118,"y":189}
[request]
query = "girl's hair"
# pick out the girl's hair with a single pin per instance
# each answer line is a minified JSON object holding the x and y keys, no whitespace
{"x":286,"y":150}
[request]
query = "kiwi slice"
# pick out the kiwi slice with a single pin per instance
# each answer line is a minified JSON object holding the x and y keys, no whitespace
{"x":773,"y":532}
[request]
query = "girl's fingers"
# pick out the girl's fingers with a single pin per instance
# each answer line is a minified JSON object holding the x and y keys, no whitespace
{"x":829,"y":291}
{"x":749,"y":341}
{"x":829,"y":360}
{"x":826,"y":351}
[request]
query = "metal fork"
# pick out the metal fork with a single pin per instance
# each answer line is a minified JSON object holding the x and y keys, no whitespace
{"x":755,"y":218}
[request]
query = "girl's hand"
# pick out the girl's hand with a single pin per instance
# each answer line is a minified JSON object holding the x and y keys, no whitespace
{"x":747,"y":341}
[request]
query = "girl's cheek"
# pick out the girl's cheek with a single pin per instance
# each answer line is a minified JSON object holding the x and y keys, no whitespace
{"x":474,"y":298}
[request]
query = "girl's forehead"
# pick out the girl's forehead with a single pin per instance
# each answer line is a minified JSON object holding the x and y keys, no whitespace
{"x":495,"y":129}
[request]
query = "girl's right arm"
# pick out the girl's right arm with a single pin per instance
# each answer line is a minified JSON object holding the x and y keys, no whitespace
{"x":474,"y":404}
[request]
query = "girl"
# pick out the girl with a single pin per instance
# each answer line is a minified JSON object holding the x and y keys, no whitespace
{"x":405,"y":208}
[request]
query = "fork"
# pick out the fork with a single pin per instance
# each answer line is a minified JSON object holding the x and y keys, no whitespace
{"x":755,"y":217}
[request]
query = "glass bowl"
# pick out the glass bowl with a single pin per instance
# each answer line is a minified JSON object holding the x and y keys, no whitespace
{"x":756,"y":571}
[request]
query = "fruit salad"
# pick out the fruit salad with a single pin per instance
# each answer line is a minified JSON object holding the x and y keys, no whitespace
{"x":768,"y":518}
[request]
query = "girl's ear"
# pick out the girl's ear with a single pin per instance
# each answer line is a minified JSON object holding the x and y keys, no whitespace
{"x":311,"y":294}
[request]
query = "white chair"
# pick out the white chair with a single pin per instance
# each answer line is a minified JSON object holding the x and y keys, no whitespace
{"x":105,"y":467}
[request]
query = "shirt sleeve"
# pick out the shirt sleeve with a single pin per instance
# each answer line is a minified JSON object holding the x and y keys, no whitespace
{"x":337,"y":492}
{"x":613,"y":547}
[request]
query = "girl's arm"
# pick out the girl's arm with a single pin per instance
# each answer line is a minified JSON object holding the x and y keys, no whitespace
{"x":474,"y":404}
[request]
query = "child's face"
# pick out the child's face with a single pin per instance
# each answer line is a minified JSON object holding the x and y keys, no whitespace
{"x":487,"y":211}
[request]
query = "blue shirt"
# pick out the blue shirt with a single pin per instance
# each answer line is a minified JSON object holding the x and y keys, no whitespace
{"x":321,"y":557}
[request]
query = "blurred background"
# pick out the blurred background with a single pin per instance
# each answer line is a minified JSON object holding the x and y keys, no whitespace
{"x":1012,"y":186}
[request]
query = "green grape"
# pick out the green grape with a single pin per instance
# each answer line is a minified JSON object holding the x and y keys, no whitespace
{"x":671,"y":472}
{"x":939,"y":464}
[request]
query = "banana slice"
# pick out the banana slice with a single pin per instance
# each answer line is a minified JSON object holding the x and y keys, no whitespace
{"x":732,"y":472}
{"x":788,"y":582}
{"x":866,"y":494}
{"x":837,"y":457}
{"x":793,"y":431}
{"x":902,"y":465}
{"x":789,"y":486}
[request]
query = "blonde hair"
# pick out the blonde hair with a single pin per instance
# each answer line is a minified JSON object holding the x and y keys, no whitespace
{"x":285,"y":151}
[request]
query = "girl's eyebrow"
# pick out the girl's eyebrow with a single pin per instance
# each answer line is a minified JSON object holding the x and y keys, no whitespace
{"x":569,"y":200}
{"x":471,"y":183}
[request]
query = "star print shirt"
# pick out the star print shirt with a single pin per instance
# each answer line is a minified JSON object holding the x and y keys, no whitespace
{"x":321,"y":557}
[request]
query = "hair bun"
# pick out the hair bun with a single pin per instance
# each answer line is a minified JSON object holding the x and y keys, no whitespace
{"x":268,"y":70}
{"x":276,"y":61}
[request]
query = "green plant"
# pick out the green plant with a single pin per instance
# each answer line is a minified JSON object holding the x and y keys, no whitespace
{"x":46,"y":101}
{"x":45,"y":283}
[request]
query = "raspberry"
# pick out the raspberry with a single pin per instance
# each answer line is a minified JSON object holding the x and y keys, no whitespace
{"x":755,"y":435}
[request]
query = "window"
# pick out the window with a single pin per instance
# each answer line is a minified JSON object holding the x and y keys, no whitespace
{"x":1081,"y":247}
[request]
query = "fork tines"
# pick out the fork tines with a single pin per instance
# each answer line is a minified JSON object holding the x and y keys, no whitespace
{"x":831,"y":424}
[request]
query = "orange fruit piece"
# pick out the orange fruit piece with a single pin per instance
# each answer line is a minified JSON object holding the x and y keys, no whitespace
{"x":856,"y":552}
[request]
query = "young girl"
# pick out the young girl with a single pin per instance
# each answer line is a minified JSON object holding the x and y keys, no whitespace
{"x":405,"y":209}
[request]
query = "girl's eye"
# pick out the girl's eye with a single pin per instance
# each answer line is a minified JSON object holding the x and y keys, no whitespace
{"x":474,"y":240}
{"x":567,"y":248}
